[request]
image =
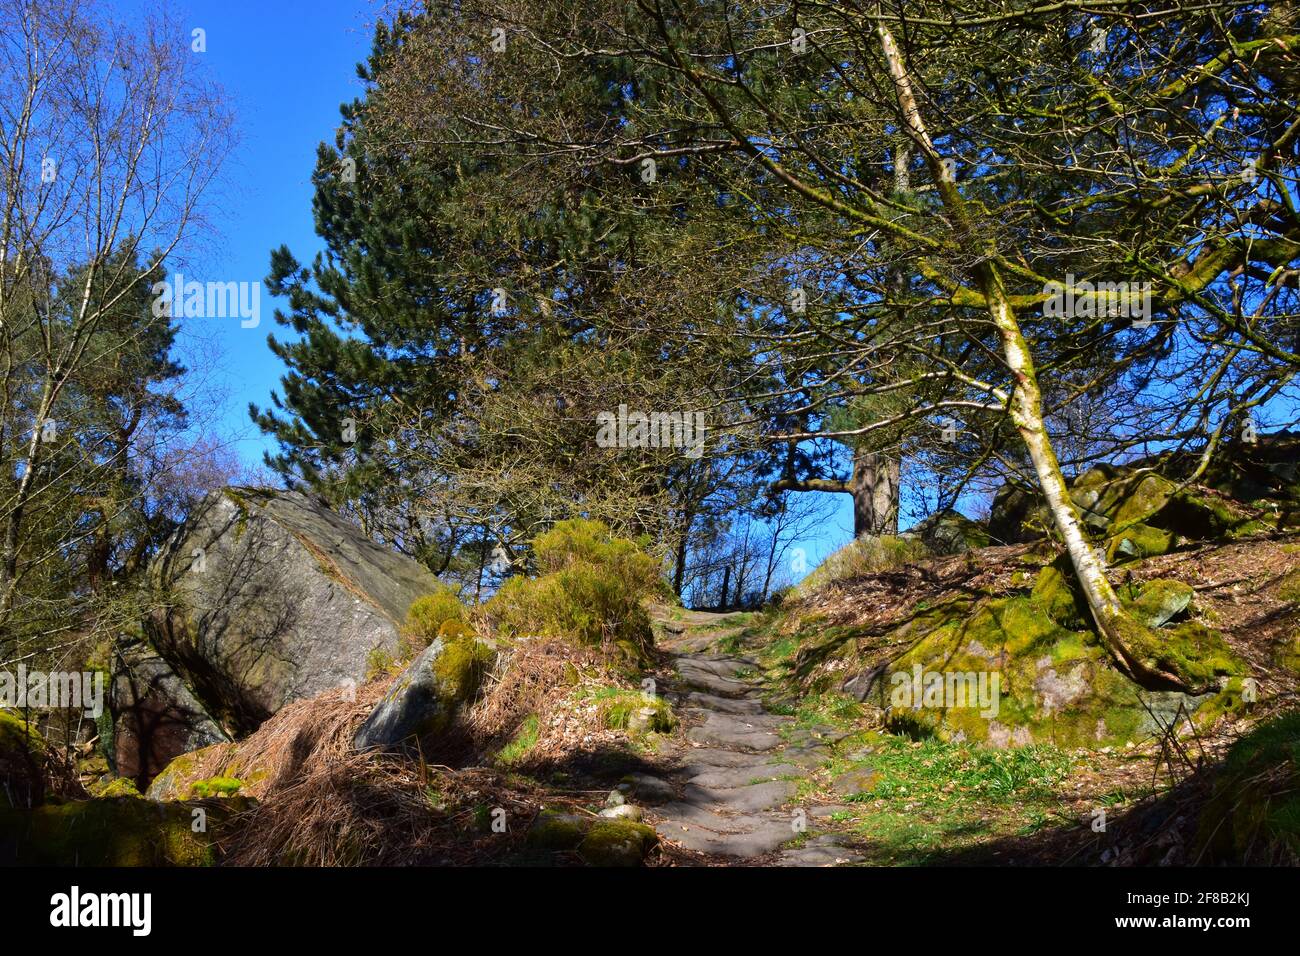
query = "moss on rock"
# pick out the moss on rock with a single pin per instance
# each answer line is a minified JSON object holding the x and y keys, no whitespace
{"x":599,"y":841}
{"x":215,"y":787}
{"x":1056,"y":592}
{"x":1009,"y":674}
{"x":116,"y":787}
{"x":122,"y":831}
{"x":1140,"y":541}
{"x":192,"y":775}
{"x":552,"y":830}
{"x":1197,"y":654}
{"x":22,"y":762}
{"x":1160,"y":601}
{"x":617,"y":843}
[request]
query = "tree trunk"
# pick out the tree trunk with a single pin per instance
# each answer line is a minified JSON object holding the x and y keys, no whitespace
{"x":726,"y":586}
{"x":679,"y":572}
{"x":1121,"y":634}
{"x":874,"y":486}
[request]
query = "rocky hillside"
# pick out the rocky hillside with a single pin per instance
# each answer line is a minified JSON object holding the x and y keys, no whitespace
{"x":938,"y":697}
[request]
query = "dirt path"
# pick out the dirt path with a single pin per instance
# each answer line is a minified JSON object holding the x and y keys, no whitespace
{"x":731,"y":795}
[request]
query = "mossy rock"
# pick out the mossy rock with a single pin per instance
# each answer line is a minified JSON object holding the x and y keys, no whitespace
{"x":617,"y":843}
{"x":1196,"y":654}
{"x":1140,"y":541}
{"x":22,"y":762}
{"x":598,"y":841}
{"x":1151,"y":513}
{"x":121,"y":831}
{"x":1160,"y":601}
{"x":174,"y":781}
{"x":951,"y":532}
{"x":1253,"y":815}
{"x":215,"y":787}
{"x":426,"y":697}
{"x":1053,"y":685}
{"x":116,"y":787}
{"x":1017,"y":515}
{"x":1057,"y":592}
{"x":552,"y":830}
{"x":1288,"y":655}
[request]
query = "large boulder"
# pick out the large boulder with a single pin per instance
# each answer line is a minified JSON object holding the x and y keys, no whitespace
{"x":156,"y":715}
{"x":1017,"y":515}
{"x":1248,"y":489}
{"x":268,"y":597}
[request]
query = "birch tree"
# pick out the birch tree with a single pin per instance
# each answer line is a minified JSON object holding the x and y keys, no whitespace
{"x":992,"y":211}
{"x":109,"y":138}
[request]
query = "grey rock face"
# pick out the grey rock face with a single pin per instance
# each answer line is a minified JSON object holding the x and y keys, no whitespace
{"x":426,"y":696}
{"x":156,"y":716}
{"x":951,"y":532}
{"x":273,"y":598}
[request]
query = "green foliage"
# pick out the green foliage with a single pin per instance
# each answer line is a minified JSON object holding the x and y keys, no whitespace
{"x":617,"y":705}
{"x":215,"y":787}
{"x":524,"y":740}
{"x":1253,"y":815}
{"x":591,"y":589}
{"x":429,"y":614}
{"x":380,"y":663}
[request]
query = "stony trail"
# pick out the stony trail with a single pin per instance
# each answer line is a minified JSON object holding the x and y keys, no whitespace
{"x":730,"y":795}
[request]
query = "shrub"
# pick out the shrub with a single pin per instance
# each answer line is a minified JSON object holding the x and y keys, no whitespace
{"x":590,"y":588}
{"x":581,"y":541}
{"x":431,"y":616}
{"x":862,"y":557}
{"x":429,"y":613}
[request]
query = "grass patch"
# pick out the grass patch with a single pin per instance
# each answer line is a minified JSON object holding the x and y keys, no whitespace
{"x":524,"y":740}
{"x":860,"y":558}
{"x":935,"y":798}
{"x":618,"y":706}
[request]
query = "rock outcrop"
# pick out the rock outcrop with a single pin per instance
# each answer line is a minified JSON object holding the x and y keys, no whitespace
{"x":268,"y":597}
{"x":427,"y":695}
{"x":22,"y":763}
{"x":1248,"y":488}
{"x":951,"y":532}
{"x":155,"y":714}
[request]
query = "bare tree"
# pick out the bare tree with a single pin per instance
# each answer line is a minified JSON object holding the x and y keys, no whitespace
{"x":109,"y":138}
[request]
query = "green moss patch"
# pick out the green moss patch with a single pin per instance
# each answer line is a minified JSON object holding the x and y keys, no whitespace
{"x":111,"y":832}
{"x":596,"y":840}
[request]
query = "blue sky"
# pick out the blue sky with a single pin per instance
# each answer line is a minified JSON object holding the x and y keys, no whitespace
{"x":286,"y":66}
